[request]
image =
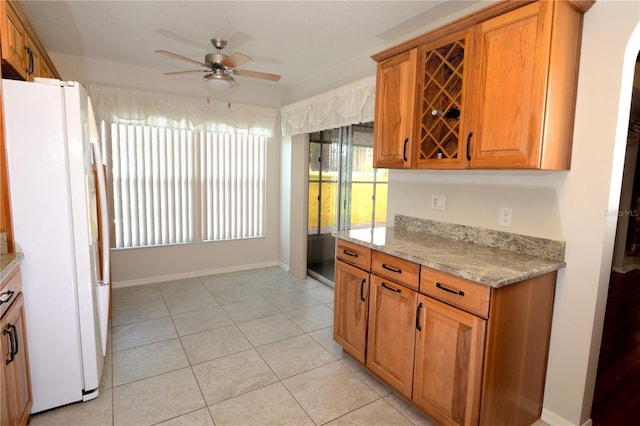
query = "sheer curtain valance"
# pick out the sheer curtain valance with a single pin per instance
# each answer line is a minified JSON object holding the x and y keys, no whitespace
{"x":122,"y":105}
{"x":350,"y":104}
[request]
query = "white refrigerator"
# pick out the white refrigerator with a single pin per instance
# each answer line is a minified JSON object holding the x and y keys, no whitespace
{"x":52,"y":146}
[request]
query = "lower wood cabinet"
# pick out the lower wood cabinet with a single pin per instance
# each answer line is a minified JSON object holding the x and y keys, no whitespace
{"x":351,"y":309}
{"x":462,"y":352}
{"x":391,"y":340}
{"x":15,"y":384}
{"x":448,"y":362}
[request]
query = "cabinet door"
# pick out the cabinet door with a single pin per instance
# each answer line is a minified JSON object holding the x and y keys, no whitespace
{"x":395,"y":109}
{"x":45,"y":71}
{"x":15,"y":364}
{"x":391,"y":339}
{"x":448,"y":362}
{"x":350,"y":309}
{"x":444,"y":78}
{"x":512,"y":59}
{"x":13,"y":40}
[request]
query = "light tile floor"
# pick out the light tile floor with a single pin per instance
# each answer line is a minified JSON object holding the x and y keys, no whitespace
{"x":247,"y":348}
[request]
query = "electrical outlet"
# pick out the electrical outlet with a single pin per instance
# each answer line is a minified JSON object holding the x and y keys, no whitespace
{"x":504,"y":218}
{"x":438,"y":201}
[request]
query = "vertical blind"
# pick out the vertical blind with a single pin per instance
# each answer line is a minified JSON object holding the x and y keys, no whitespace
{"x":175,"y":186}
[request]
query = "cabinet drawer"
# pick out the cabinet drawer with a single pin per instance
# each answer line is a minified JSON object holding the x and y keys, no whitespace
{"x":465,"y":294}
{"x":396,"y":269}
{"x":354,"y":254}
{"x":9,"y":290}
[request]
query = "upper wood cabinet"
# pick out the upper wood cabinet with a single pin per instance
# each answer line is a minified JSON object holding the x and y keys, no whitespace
{"x":13,"y":39}
{"x":395,"y":111}
{"x":494,"y":90}
{"x":525,"y":96}
{"x":23,"y":56}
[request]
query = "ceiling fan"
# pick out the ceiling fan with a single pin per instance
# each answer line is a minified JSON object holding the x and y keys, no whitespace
{"x":220,"y":68}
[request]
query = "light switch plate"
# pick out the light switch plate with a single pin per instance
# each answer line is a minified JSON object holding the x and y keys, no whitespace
{"x":438,"y":201}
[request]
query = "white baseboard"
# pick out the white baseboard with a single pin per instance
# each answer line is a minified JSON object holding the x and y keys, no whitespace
{"x":284,"y":266}
{"x":629,"y":263}
{"x":624,"y":269}
{"x":553,"y":419}
{"x":194,"y":274}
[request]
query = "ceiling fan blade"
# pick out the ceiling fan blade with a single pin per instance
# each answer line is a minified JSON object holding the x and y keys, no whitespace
{"x":179,"y":38}
{"x":264,"y":60}
{"x":183,"y":72}
{"x":237,"y":39}
{"x":180,"y":57}
{"x":256,"y":74}
{"x":235,"y":60}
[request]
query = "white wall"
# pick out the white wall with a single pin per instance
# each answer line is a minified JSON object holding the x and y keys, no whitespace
{"x":147,"y":265}
{"x":579,"y":206}
{"x":474,"y":197}
{"x":299,"y":196}
{"x":285,"y":202}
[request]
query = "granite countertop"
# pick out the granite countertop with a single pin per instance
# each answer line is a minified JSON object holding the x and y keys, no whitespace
{"x":8,"y":263}
{"x":492,"y":266}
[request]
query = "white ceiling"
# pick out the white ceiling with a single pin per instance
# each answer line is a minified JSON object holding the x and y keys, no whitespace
{"x":314,"y":45}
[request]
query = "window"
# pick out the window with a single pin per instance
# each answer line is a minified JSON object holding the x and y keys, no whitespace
{"x":345,"y":191}
{"x":175,"y":185}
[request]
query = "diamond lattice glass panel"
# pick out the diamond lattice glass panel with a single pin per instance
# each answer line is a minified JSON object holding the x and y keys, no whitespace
{"x":441,"y":102}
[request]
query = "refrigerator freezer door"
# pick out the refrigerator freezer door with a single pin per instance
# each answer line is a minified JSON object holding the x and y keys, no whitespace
{"x":49,"y":167}
{"x":43,"y":231}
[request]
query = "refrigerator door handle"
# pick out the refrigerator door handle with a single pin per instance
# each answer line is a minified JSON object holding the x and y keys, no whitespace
{"x":104,"y":284}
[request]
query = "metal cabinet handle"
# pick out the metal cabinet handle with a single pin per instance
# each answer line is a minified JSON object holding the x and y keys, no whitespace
{"x":350,"y":253}
{"x":392,"y":269}
{"x":418,"y":326}
{"x":469,"y":146}
{"x":15,"y":337}
{"x":404,"y":149}
{"x":12,"y":346}
{"x":397,"y":290}
{"x":448,"y":290}
{"x":30,"y":63}
{"x":6,"y":296}
{"x":364,"y":280}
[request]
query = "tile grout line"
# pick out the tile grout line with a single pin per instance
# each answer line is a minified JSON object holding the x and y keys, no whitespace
{"x":254,"y":347}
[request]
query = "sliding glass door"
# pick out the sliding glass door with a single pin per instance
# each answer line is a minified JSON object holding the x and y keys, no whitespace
{"x":345,"y":191}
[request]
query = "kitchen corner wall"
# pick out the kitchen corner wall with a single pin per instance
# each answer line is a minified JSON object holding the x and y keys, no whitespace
{"x":579,"y":206}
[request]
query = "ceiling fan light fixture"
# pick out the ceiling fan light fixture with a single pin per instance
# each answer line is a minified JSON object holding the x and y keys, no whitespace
{"x":219,"y":81}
